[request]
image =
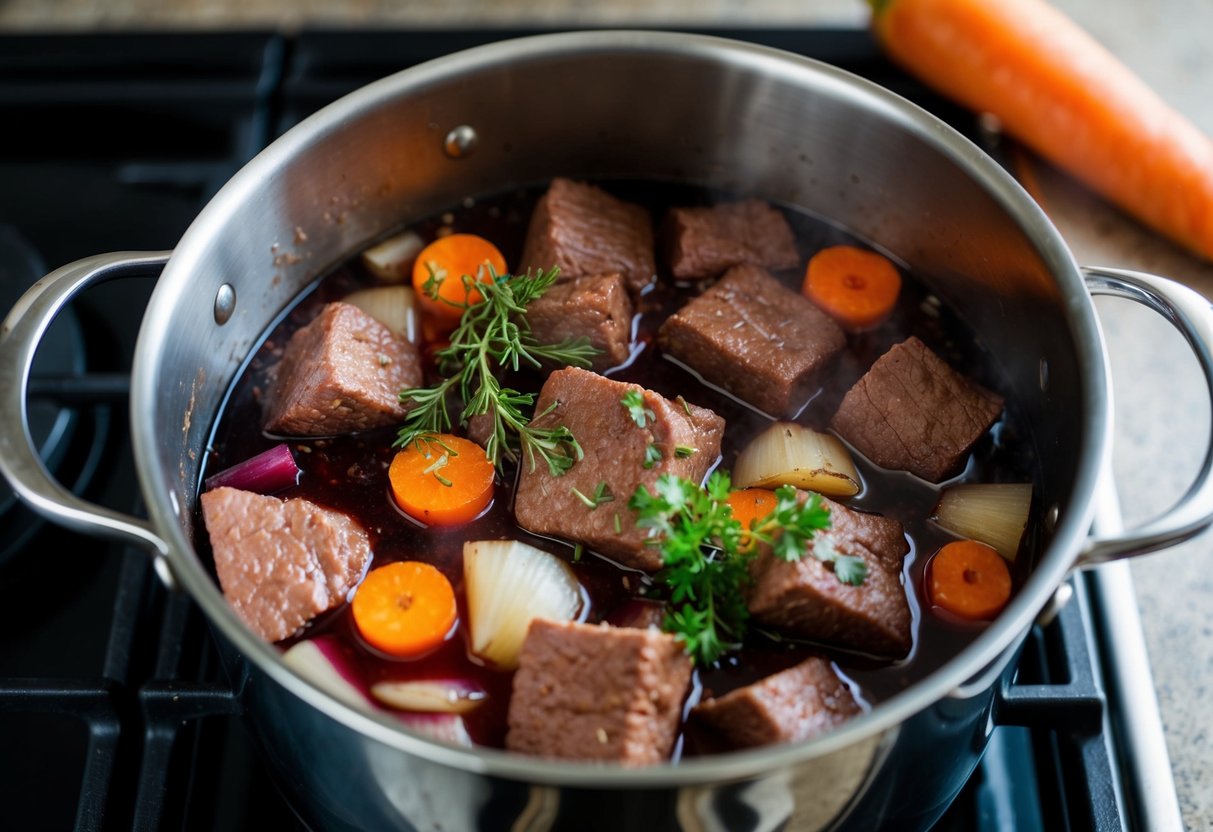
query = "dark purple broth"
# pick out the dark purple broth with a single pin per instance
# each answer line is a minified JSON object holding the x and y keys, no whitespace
{"x":350,"y":473}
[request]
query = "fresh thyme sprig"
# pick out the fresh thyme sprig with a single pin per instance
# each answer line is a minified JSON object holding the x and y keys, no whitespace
{"x":706,"y":554}
{"x":494,"y":336}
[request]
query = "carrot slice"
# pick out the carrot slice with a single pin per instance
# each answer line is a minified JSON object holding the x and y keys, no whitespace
{"x":1061,"y":93}
{"x":855,"y":287}
{"x":405,"y":609}
{"x":441,"y":267}
{"x":442,"y":480}
{"x":969,"y":579}
{"x":750,"y":504}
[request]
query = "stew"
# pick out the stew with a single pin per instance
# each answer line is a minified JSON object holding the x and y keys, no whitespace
{"x":711,"y":355}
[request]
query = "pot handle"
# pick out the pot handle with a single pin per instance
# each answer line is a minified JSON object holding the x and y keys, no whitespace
{"x":20,"y":335}
{"x":1190,"y":313}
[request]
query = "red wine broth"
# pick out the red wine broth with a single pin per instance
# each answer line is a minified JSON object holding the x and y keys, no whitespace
{"x":349,"y":473}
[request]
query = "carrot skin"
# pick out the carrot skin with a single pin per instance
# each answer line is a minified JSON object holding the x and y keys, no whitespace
{"x":968,"y":579}
{"x":855,"y":287}
{"x":1062,"y":94}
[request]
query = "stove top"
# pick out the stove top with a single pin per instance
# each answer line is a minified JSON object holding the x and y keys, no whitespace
{"x":114,"y":713}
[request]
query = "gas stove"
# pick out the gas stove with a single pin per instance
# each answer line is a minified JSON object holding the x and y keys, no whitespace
{"x":114,"y":713}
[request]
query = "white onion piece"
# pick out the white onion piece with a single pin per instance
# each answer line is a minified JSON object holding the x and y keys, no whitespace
{"x":391,"y":260}
{"x":791,"y":454}
{"x":509,"y":584}
{"x":441,"y":727}
{"x":393,"y":306}
{"x":994,"y":513}
{"x":439,"y":696}
{"x":321,"y":664}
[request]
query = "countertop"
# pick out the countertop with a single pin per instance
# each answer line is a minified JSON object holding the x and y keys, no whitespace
{"x":1162,"y":411}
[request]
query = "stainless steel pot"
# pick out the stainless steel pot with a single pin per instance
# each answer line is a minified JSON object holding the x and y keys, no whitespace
{"x":637,"y":105}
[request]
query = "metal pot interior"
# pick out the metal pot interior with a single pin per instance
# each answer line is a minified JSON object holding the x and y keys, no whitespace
{"x":635,"y":105}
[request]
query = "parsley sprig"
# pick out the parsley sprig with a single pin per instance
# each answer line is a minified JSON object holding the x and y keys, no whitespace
{"x":494,"y":336}
{"x":706,"y":554}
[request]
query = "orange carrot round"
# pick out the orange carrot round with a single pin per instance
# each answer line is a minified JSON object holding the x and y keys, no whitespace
{"x":405,"y":609}
{"x":441,"y":267}
{"x":855,"y":287}
{"x":969,"y":579}
{"x":750,"y":504}
{"x":442,"y":480}
{"x":1061,"y":93}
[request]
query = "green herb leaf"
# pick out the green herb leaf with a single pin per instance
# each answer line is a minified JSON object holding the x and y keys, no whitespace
{"x":705,"y":564}
{"x":494,"y":336}
{"x":652,"y":455}
{"x":684,"y":451}
{"x":850,"y":570}
{"x":602,"y":494}
{"x":633,"y":402}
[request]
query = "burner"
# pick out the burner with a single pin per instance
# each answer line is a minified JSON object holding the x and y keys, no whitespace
{"x":51,"y":425}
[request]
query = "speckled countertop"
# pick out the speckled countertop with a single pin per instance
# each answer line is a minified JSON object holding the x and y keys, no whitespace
{"x":1163,"y":413}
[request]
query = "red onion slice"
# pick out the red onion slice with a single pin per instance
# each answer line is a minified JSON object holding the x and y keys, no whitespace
{"x":266,"y":473}
{"x":321,"y":662}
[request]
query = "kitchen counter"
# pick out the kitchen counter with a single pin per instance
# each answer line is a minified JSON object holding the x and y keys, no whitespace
{"x":1162,"y":406}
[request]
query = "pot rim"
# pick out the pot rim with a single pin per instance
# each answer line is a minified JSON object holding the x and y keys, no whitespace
{"x":1000,"y":637}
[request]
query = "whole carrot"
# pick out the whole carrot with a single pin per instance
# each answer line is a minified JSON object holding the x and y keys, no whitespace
{"x":1058,"y":91}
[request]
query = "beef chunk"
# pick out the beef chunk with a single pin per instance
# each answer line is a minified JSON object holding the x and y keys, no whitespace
{"x":615,"y":449}
{"x":593,"y":692}
{"x":794,"y":704}
{"x":480,"y":429}
{"x":756,"y":338}
{"x":703,"y":243}
{"x":597,"y":307}
{"x":804,"y":598}
{"x":912,"y":411}
{"x":341,"y":373}
{"x":281,"y":563}
{"x":585,"y":231}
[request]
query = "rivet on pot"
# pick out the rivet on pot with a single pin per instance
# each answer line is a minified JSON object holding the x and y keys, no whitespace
{"x":460,"y":142}
{"x":225,"y":303}
{"x":1044,"y":375}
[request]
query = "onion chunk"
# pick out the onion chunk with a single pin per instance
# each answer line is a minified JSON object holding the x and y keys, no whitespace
{"x":391,"y":260}
{"x":994,"y":513}
{"x":790,"y":454}
{"x":436,"y":696}
{"x":393,"y":306}
{"x":508,"y":585}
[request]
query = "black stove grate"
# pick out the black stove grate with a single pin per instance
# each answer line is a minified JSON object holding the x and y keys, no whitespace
{"x":113,"y":711}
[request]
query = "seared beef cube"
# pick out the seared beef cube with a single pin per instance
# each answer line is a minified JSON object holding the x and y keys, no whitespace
{"x":597,"y":307}
{"x":585,"y":231}
{"x":593,"y":692}
{"x":677,"y":438}
{"x":756,"y":338}
{"x":795,"y":704}
{"x":703,"y":243}
{"x":805,"y":598}
{"x":341,"y":373}
{"x":911,"y":411}
{"x":480,"y":428}
{"x":281,"y":563}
